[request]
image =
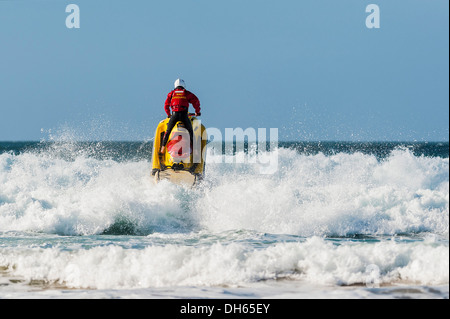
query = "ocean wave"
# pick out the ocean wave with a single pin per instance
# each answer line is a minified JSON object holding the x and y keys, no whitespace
{"x":324,"y":195}
{"x":315,"y":261}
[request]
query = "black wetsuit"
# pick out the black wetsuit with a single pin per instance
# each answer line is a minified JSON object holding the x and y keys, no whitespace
{"x":184,"y":118}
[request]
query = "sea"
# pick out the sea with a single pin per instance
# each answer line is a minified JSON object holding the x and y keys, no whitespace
{"x":333,"y":220}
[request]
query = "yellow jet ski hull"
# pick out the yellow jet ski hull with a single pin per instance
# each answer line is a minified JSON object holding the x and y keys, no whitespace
{"x":186,"y":169}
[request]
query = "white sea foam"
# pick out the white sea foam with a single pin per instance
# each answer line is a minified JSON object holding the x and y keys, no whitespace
{"x":315,"y":261}
{"x":80,"y":197}
{"x":332,"y":195}
{"x":337,"y":195}
{"x":241,"y":228}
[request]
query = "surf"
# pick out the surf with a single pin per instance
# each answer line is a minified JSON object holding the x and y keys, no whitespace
{"x":345,"y":194}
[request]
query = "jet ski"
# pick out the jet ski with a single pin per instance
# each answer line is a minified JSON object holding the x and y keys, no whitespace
{"x":182,"y":162}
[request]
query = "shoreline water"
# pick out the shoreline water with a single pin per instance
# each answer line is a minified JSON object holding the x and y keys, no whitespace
{"x":85,"y":220}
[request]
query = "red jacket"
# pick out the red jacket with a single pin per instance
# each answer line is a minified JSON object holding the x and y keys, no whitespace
{"x":179,"y":100}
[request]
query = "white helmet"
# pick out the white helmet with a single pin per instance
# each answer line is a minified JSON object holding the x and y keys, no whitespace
{"x":179,"y":82}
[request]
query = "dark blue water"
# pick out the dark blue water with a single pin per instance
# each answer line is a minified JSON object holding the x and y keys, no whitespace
{"x":142,"y":150}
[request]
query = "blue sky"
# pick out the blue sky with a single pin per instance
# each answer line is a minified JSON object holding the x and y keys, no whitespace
{"x":310,"y":68}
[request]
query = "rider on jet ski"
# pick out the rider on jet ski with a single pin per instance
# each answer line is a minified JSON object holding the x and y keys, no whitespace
{"x":179,"y":100}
